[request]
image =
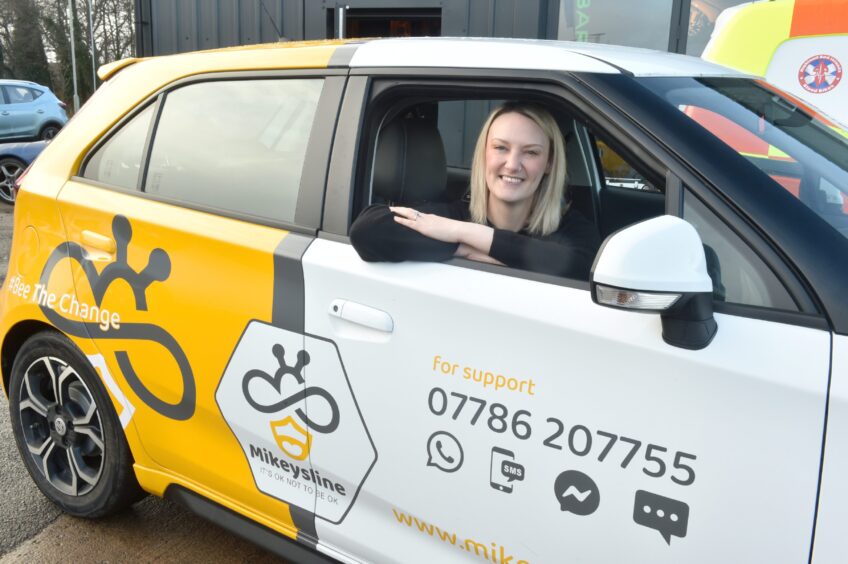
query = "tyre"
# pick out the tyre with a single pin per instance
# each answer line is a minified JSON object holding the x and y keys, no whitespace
{"x":10,"y":169}
{"x":66,"y":429}
{"x":48,"y":132}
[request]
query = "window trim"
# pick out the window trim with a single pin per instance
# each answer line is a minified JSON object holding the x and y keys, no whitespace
{"x":309,"y":201}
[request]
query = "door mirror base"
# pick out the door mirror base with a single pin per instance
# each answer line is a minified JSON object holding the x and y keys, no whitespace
{"x":690,"y":324}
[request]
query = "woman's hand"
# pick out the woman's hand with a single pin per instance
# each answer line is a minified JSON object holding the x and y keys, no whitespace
{"x":476,"y":236}
{"x":428,"y":224}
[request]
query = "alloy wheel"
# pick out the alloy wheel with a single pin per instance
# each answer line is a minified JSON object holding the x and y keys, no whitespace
{"x":61,"y":426}
{"x":10,"y":170}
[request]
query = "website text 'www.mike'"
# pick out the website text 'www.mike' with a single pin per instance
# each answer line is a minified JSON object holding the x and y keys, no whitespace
{"x":492,"y":552}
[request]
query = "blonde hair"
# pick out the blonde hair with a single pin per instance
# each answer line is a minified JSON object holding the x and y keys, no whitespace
{"x":547,"y":209}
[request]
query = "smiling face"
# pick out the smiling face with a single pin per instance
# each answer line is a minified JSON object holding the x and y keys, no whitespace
{"x":517,"y":157}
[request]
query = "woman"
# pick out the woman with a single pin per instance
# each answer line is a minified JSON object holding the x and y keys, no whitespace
{"x":517,"y":215}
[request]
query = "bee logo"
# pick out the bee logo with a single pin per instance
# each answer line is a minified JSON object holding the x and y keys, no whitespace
{"x":293,"y":438}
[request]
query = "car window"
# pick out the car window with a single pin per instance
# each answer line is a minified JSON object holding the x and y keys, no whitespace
{"x":418,"y":149}
{"x":21,"y":94}
{"x":235,"y":146}
{"x":739,"y":276}
{"x":625,"y":195}
{"x":619,"y":173}
{"x":118,"y":161}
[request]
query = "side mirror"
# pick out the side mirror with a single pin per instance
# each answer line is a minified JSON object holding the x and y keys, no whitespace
{"x":658,"y":266}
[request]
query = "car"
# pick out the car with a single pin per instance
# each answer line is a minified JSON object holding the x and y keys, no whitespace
{"x":29,"y":111}
{"x":14,"y":159}
{"x":185,"y":315}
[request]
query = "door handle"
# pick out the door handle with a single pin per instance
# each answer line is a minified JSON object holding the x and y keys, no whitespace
{"x":39,"y":111}
{"x":362,"y":315}
{"x":5,"y":113}
{"x":98,"y":242}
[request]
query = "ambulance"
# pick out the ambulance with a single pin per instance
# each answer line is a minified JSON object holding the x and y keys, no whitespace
{"x":799,"y":45}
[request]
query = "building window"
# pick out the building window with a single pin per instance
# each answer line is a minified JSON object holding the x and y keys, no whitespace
{"x":638,"y":24}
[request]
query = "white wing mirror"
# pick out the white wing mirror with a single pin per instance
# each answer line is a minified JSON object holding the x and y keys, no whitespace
{"x":658,"y":265}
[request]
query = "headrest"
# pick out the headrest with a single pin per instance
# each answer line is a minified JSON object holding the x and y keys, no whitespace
{"x":409,"y":164}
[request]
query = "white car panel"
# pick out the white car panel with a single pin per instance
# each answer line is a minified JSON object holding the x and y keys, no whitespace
{"x":752,"y":420}
{"x":530,"y":55}
{"x":812,"y":68}
{"x":831,"y":543}
{"x":471,"y":53}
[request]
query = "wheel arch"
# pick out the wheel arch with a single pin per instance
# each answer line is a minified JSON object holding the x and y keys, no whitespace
{"x":12,"y":343}
{"x":50,"y":122}
{"x":13,"y":156}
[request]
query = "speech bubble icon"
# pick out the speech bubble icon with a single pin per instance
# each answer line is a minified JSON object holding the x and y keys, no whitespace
{"x":577,"y":493}
{"x":512,"y":471}
{"x":444,"y":452}
{"x":667,"y":516}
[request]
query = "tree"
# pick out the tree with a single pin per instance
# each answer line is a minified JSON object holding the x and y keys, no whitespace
{"x":35,"y":40}
{"x":114,"y":38}
{"x":28,"y":59}
{"x":5,"y":39}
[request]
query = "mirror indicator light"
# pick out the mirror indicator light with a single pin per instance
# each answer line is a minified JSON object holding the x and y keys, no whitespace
{"x":634,"y":299}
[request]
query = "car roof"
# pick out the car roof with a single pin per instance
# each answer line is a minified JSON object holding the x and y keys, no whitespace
{"x":433,"y":52}
{"x":530,"y":54}
{"x":14,"y":82}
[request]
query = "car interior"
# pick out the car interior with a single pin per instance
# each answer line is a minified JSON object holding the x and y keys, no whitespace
{"x":422,"y":151}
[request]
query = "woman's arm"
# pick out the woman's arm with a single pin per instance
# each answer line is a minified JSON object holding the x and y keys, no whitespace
{"x":445,"y":229}
{"x":376,"y":235}
{"x":567,"y":252}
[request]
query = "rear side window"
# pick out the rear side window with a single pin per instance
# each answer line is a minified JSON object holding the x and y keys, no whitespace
{"x":235,"y":146}
{"x":21,"y":94}
{"x":118,"y":161}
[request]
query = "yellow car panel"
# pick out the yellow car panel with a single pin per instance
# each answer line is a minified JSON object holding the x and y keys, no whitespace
{"x":219,"y":277}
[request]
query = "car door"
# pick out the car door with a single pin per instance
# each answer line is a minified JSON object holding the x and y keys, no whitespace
{"x":20,"y":113}
{"x":7,"y":124}
{"x":514,"y":420}
{"x":191,"y":255}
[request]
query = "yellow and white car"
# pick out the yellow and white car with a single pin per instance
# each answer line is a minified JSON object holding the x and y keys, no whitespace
{"x":184,"y":313}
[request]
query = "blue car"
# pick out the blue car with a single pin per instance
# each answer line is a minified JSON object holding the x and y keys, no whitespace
{"x":29,"y":111}
{"x":14,"y":159}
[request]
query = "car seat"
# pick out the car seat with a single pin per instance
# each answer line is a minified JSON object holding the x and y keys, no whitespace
{"x":409,"y":162}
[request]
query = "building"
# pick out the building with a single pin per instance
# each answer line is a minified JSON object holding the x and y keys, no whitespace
{"x":174,"y":26}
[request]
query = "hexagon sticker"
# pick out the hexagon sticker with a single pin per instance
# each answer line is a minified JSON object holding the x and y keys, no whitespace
{"x":287,"y":400}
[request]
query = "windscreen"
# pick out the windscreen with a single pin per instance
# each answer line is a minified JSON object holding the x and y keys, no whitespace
{"x":800,"y":149}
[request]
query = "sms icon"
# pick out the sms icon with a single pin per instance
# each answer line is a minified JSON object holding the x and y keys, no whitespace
{"x":512,"y":470}
{"x":667,"y":516}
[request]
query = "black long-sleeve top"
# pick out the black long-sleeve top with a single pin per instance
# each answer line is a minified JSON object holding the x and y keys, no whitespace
{"x":568,"y":251}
